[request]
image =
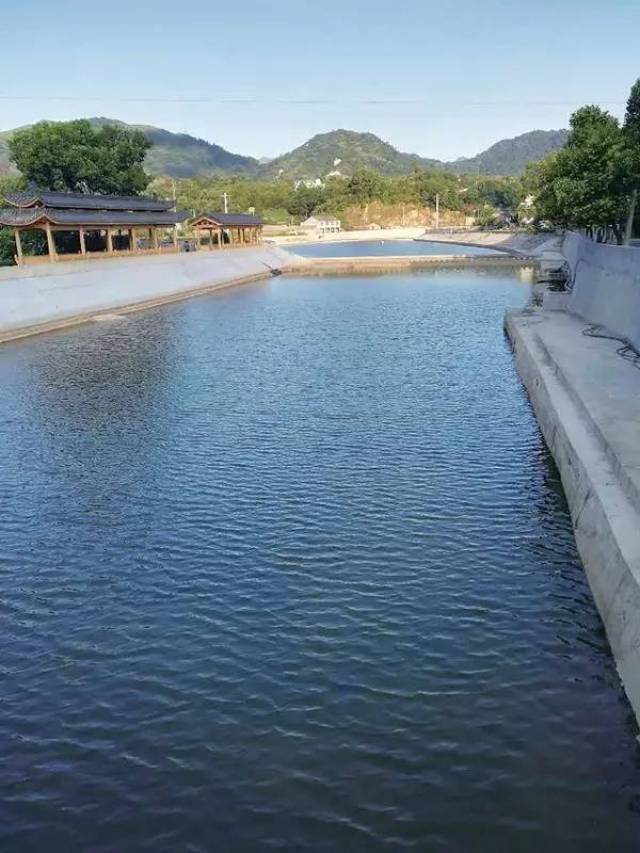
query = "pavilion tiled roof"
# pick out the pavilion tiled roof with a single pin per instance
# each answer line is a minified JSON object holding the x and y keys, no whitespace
{"x":232,"y":220}
{"x":86,"y":201}
{"x":24,"y":217}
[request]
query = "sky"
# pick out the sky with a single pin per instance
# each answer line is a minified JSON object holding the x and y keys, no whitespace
{"x":260,"y":77}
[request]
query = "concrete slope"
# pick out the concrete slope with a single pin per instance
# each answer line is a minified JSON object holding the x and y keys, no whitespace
{"x":38,"y":298}
{"x":587,"y":402}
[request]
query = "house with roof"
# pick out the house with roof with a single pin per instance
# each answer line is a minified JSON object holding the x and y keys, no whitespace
{"x":322,"y":224}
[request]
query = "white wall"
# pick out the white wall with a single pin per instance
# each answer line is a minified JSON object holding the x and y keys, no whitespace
{"x":50,"y":293}
{"x":606,"y":286}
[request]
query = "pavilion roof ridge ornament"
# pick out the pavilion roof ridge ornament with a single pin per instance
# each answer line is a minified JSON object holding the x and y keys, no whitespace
{"x":35,"y":197}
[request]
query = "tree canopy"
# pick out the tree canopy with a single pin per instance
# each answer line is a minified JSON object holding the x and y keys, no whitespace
{"x":586,"y":184}
{"x":631,"y":131}
{"x":593,"y":183}
{"x":76,"y":156}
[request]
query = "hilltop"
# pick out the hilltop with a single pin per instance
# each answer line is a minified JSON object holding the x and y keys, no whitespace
{"x":345,"y":151}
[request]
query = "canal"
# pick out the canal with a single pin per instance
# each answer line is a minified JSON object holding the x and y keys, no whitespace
{"x":288,"y":567}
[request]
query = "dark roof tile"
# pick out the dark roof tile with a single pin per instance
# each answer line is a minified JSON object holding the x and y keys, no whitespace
{"x":232,"y":220}
{"x":86,"y":201}
{"x":24,"y":217}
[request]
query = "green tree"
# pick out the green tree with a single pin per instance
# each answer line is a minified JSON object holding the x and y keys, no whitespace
{"x":585,"y":185}
{"x":75,"y":156}
{"x":631,"y":132}
{"x":365,"y":186}
{"x":304,"y":201}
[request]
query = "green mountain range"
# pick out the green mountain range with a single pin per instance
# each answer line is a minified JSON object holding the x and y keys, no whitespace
{"x":180,"y":155}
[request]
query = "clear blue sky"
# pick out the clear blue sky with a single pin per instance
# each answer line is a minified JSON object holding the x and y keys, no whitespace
{"x":261,"y":76}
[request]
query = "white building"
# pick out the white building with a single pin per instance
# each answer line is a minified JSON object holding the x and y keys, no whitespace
{"x":322,"y":224}
{"x":316,"y":183}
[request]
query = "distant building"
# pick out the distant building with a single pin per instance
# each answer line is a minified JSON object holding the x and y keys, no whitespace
{"x":316,"y":183}
{"x":322,"y":224}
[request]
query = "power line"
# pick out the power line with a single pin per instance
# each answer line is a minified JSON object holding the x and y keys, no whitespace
{"x":295,"y":101}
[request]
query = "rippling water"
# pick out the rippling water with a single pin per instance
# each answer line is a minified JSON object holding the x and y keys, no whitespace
{"x":289,"y":568}
{"x":351,"y":249}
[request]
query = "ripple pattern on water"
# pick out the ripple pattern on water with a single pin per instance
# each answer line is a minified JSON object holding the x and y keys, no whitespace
{"x":289,"y":568}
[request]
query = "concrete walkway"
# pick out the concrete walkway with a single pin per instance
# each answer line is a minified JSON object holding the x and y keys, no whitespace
{"x":587,"y":401}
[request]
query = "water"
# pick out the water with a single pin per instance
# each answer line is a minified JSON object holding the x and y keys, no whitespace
{"x":366,"y":248}
{"x":289,"y":568}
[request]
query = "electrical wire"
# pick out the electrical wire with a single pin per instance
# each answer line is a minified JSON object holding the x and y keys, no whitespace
{"x":626,"y":350}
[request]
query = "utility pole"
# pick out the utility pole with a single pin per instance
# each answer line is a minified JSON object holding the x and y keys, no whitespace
{"x":437,"y":211}
{"x":225,"y":196}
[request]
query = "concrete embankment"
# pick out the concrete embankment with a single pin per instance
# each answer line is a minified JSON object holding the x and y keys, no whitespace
{"x":587,"y":401}
{"x":518,"y":243}
{"x":606,"y":287}
{"x":39,"y":298}
{"x":397,"y":263}
{"x":356,"y":236}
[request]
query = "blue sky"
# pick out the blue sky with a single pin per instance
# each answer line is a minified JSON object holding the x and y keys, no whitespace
{"x":260,"y":76}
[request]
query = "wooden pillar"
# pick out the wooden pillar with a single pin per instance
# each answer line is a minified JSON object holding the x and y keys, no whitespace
{"x":175,"y":237}
{"x":133,"y":246}
{"x":16,"y":234}
{"x":155,"y":239}
{"x":51,"y":244}
{"x":109,"y":240}
{"x":211,"y":239}
{"x":83,"y":245}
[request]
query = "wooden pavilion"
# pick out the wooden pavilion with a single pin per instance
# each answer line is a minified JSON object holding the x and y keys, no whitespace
{"x":227,"y":229}
{"x":105,"y":225}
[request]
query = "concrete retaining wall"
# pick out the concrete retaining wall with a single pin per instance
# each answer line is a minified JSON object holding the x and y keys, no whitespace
{"x":606,"y":286}
{"x":56,"y":294}
{"x":596,"y":476}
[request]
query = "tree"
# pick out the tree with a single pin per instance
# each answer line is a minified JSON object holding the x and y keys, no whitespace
{"x":585,"y":185}
{"x":365,"y":186}
{"x":304,"y":201}
{"x":76,"y":156}
{"x":631,"y":132}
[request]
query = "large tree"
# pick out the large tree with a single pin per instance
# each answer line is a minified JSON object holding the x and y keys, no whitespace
{"x":631,"y":132}
{"x":77,"y":156}
{"x":586,"y":184}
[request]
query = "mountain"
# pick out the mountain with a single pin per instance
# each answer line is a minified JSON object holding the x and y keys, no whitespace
{"x":180,"y":155}
{"x":511,"y":156}
{"x":177,"y":155}
{"x":344,"y":151}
